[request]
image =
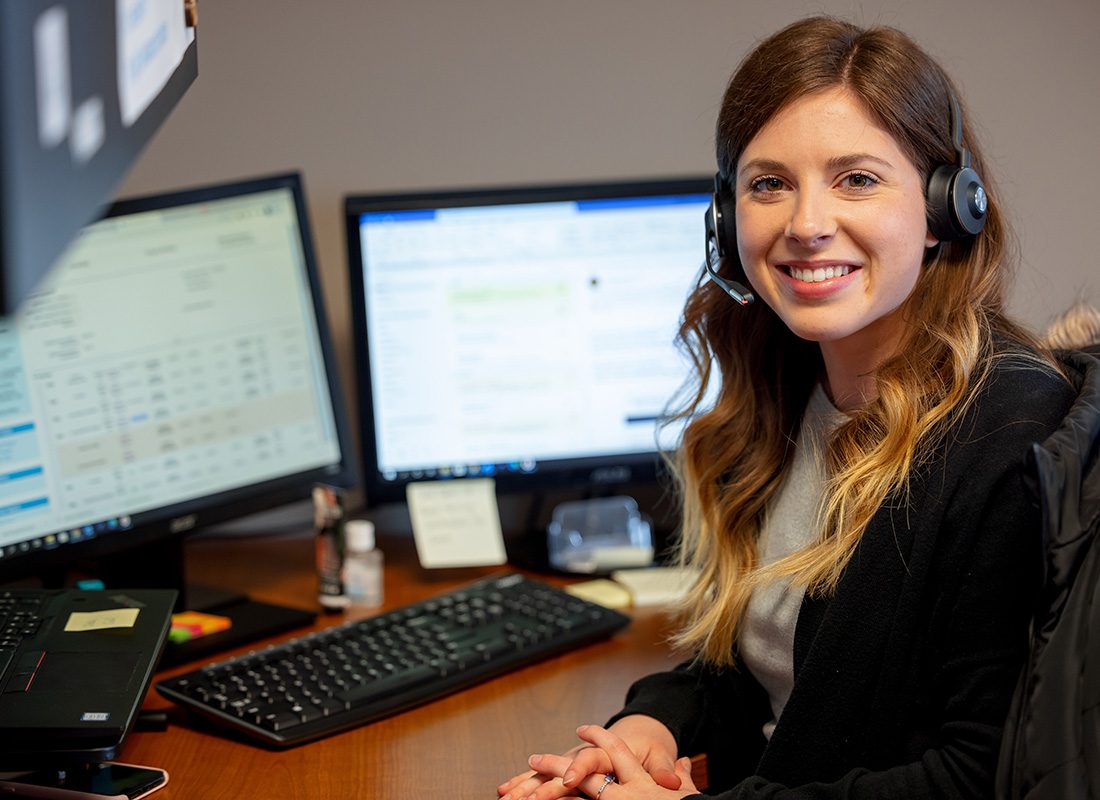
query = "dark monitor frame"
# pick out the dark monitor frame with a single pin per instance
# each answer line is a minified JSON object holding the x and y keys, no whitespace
{"x":609,"y":472}
{"x":162,"y":530}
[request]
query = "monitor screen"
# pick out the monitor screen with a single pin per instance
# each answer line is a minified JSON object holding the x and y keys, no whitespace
{"x":173,"y":370}
{"x":524,"y":334}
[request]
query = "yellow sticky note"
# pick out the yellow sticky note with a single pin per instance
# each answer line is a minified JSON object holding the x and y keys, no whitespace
{"x":102,"y":620}
{"x":602,"y":591}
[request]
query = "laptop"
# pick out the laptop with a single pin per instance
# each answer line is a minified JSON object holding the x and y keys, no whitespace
{"x":74,"y":669}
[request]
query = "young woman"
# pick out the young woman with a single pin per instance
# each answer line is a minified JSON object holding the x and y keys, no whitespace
{"x":854,"y":501}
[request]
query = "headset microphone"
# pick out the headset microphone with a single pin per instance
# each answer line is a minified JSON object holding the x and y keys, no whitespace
{"x":732,"y":288}
{"x":720,"y":232}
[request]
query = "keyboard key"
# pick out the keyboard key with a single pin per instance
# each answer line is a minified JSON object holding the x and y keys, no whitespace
{"x":381,"y":688}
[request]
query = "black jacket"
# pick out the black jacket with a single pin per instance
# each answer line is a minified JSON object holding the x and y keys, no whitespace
{"x":903,"y":677}
{"x":1051,"y":746}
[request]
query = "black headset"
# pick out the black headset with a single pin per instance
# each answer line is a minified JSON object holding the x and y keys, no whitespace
{"x":957,"y":202}
{"x":956,"y":199}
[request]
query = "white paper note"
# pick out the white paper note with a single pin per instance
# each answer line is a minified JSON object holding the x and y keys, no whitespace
{"x":456,"y":523}
{"x":152,"y":37}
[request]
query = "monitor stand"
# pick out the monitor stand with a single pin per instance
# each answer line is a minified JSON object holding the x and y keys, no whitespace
{"x":161,"y":564}
{"x":525,"y":545}
{"x":527,"y":550}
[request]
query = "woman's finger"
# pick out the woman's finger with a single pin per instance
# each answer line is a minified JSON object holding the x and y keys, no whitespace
{"x":623,"y":761}
{"x":536,"y":785}
{"x":514,"y":781}
{"x":588,"y":761}
{"x":663,"y":770}
{"x":571,"y":770}
{"x":550,"y":768}
{"x":603,"y":784}
{"x":683,"y":772}
{"x":549,"y":764}
{"x":530,"y":784}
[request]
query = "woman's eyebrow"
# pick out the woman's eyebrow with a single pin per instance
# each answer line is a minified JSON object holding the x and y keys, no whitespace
{"x":835,"y":163}
{"x":762,"y":165}
{"x":854,"y":159}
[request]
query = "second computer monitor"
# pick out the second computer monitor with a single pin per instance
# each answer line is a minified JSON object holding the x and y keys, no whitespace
{"x":173,"y":371}
{"x":525,"y":334}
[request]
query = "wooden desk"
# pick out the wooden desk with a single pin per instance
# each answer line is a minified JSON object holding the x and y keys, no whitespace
{"x":462,"y":746}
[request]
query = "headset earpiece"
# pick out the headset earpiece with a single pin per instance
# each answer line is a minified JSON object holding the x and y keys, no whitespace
{"x":721,"y":233}
{"x":721,"y":224}
{"x":957,"y":202}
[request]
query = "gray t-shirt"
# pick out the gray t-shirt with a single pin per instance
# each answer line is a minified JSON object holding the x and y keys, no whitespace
{"x":790,"y":524}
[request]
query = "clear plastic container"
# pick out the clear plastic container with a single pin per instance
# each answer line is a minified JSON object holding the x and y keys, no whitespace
{"x":599,"y":535}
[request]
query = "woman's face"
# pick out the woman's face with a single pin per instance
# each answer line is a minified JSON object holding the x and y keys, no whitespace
{"x":831,"y":225}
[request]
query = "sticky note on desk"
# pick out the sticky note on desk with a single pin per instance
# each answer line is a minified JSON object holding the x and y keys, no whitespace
{"x":456,"y":523}
{"x":602,"y":591}
{"x":102,"y":620}
{"x":655,"y":585}
{"x":187,"y":625}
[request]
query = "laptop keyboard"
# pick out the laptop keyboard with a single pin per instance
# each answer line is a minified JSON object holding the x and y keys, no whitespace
{"x":358,"y":672}
{"x":20,"y":619}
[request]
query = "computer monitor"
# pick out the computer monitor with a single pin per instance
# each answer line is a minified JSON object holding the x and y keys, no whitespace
{"x":525,"y":334}
{"x":173,"y":371}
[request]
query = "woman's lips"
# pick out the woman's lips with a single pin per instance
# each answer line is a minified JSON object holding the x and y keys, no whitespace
{"x":817,"y":278}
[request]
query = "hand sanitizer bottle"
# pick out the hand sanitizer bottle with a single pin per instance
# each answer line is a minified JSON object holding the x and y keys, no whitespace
{"x":362,"y":565}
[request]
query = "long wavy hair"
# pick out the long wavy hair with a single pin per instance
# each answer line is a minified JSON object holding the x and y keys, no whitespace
{"x":735,"y":454}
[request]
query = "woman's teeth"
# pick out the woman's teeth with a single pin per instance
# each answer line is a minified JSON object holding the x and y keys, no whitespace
{"x":817,"y":275}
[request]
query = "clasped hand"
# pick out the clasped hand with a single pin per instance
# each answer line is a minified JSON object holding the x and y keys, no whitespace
{"x":638,"y":751}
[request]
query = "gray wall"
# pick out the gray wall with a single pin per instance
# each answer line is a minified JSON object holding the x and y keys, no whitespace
{"x":378,"y":95}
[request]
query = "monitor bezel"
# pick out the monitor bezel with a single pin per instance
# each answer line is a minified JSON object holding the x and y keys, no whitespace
{"x":595,"y":472}
{"x":183,"y":518}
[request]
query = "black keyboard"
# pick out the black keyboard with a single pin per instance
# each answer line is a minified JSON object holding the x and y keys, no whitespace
{"x":361,"y":671}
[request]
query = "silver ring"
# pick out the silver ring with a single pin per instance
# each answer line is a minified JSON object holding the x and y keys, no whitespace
{"x":608,"y":778}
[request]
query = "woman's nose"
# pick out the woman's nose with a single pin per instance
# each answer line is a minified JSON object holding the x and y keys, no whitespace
{"x":811,"y":222}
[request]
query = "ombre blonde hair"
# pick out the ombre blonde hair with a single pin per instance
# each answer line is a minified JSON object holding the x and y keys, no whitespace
{"x":734,"y":455}
{"x":1075,"y":328}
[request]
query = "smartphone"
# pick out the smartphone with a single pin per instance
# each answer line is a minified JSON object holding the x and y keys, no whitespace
{"x":108,"y":780}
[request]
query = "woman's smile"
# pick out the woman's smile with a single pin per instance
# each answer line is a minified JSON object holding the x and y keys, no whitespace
{"x":813,"y":279}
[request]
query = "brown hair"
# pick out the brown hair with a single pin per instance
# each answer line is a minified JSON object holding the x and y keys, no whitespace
{"x":734,"y":456}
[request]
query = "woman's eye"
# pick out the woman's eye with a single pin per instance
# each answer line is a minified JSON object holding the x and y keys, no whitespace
{"x":859,"y":180}
{"x":767,"y":184}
